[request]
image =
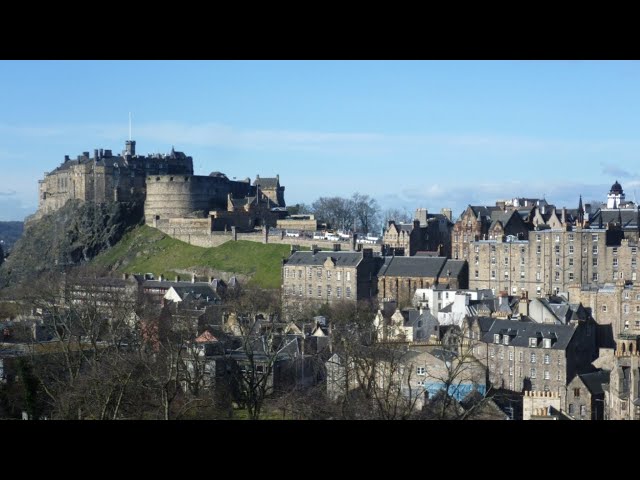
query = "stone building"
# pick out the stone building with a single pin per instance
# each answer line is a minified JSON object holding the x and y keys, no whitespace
{"x":622,"y":398}
{"x":524,"y":355}
{"x":105,"y":177}
{"x":428,"y":232}
{"x":400,"y":277}
{"x":329,"y":277}
{"x":487,"y":223}
{"x":585,"y":396}
{"x":304,"y":223}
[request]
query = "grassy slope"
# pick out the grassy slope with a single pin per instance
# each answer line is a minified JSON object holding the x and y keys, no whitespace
{"x":146,"y":249}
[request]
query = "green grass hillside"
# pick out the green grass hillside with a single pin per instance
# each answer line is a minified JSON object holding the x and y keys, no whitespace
{"x":146,"y":249}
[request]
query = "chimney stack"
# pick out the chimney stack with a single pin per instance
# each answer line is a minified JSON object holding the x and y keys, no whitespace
{"x":193,"y":278}
{"x":177,"y":278}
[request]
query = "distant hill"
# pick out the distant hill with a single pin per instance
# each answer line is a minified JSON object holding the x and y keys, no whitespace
{"x":10,"y":232}
{"x":70,"y":236}
{"x":147,"y":250}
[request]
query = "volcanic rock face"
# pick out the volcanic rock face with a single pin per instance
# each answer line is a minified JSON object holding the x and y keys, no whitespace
{"x":69,"y":236}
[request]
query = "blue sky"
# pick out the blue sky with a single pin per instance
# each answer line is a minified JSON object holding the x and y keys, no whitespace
{"x":412,"y":134}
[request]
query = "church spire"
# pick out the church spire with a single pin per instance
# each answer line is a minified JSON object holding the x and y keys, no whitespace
{"x":580,"y":219}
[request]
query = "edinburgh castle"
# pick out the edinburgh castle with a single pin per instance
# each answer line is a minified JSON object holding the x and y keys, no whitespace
{"x":167,"y":186}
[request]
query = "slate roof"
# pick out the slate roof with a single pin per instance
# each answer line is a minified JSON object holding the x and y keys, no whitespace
{"x":413,"y":266}
{"x":520,"y":332}
{"x":594,"y":380}
{"x":629,"y":217}
{"x":453,"y":268}
{"x":266,"y":182}
{"x":342,"y":259}
{"x":482,"y":210}
{"x":196,"y":291}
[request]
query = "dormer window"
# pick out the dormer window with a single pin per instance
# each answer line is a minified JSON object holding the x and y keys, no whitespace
{"x":505,"y":340}
{"x":496,"y":338}
{"x":546,"y":342}
{"x":533,"y":342}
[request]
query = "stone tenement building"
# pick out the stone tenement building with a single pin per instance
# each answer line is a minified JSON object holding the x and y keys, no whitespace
{"x":573,"y":247}
{"x":105,"y":177}
{"x":329,"y":277}
{"x":428,"y":232}
{"x":525,"y":355}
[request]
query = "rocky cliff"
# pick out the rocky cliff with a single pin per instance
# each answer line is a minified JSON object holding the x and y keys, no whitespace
{"x":70,"y":236}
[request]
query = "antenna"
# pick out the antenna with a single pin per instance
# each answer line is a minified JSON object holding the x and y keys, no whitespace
{"x":129,"y":126}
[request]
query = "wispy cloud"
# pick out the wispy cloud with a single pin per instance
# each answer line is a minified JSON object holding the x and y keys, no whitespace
{"x":10,"y":193}
{"x":616,"y":171}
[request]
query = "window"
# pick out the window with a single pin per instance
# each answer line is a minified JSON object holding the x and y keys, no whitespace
{"x":533,"y":342}
{"x":533,"y":358}
{"x":476,"y":274}
{"x":493,"y":248}
{"x":300,"y":290}
{"x":583,"y":410}
{"x":348,"y":292}
{"x":538,"y":249}
{"x":522,"y":274}
{"x":493,"y":274}
{"x":571,"y":237}
{"x":521,"y":355}
{"x":421,"y":371}
{"x":319,"y":290}
{"x":259,"y":368}
{"x":570,"y":249}
{"x":594,"y":262}
{"x":547,"y":358}
{"x":300,"y":273}
{"x":557,"y":261}
{"x":496,"y":338}
{"x":309,"y":290}
{"x":533,"y":374}
{"x":557,"y":249}
{"x":537,"y":261}
{"x":594,"y":249}
{"x":634,"y":263}
{"x":492,"y":352}
{"x":538,"y":276}
{"x":328,"y":291}
{"x":501,"y":354}
{"x":506,"y":275}
{"x":571,"y":262}
{"x":634,"y":250}
{"x":626,"y":308}
{"x":522,"y":261}
{"x":522,"y":250}
{"x":537,"y":238}
{"x":614,"y":250}
{"x":604,"y":308}
{"x":511,"y":355}
{"x":570,"y":276}
{"x":594,"y":237}
{"x":571,"y":409}
{"x":547,"y":376}
{"x":348,"y":276}
{"x":338,"y":275}
{"x":637,"y":308}
{"x":506,"y":260}
{"x":557,"y":238}
{"x":477,"y":260}
{"x":558,"y":376}
{"x":557,"y":275}
{"x":476,"y":248}
{"x":615,"y":262}
{"x":559,"y":361}
{"x":576,"y":392}
{"x":595,"y":277}
{"x":328,"y":275}
{"x":493,"y":260}
{"x":546,"y":342}
{"x":511,"y":371}
{"x":338,"y":292}
{"x":319,"y":272}
{"x":286,"y":273}
{"x":309,"y":272}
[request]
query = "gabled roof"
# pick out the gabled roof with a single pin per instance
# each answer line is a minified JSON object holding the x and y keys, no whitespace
{"x":412,"y":266}
{"x":594,"y":380}
{"x":266,"y":182}
{"x":629,"y":217}
{"x":206,"y":337}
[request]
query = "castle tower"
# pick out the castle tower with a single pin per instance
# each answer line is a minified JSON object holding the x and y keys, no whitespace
{"x":130,"y":148}
{"x":616,"y":196}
